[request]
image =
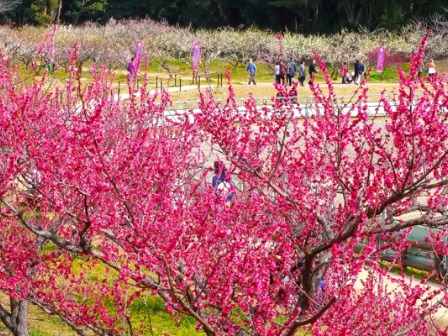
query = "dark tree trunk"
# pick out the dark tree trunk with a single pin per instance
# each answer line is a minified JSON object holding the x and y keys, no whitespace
{"x":58,"y":13}
{"x":19,"y":317}
{"x":16,"y":320}
{"x":307,"y":284}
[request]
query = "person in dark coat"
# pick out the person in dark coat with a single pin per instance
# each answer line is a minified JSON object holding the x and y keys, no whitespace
{"x":282,"y":72}
{"x":302,"y":73}
{"x":312,"y":71}
{"x":291,"y":72}
{"x":356,"y":72}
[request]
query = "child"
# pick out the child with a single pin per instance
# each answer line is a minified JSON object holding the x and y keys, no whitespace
{"x":343,"y":72}
{"x":293,"y":94}
{"x":222,"y":183}
{"x":132,"y":69}
{"x":349,"y":77}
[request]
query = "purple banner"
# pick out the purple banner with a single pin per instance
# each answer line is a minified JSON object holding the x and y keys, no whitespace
{"x":380,"y":61}
{"x":138,"y":53}
{"x":196,"y":55}
{"x":138,"y":49}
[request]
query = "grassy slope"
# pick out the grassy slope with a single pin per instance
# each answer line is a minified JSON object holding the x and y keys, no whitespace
{"x":149,"y":315}
{"x":181,"y":72}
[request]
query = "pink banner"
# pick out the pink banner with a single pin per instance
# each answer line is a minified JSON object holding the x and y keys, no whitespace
{"x":380,"y":61}
{"x":196,"y":55}
{"x":53,"y":42}
{"x":46,"y":48}
{"x":279,"y":38}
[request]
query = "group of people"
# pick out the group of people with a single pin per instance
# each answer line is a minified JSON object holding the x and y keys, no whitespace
{"x":285,"y":72}
{"x":431,"y":66}
{"x":358,"y":75}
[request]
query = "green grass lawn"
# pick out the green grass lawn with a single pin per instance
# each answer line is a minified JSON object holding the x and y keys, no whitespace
{"x":148,"y":313}
{"x":182,"y":70}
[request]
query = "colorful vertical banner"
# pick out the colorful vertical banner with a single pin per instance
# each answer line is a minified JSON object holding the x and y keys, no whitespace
{"x":196,"y":55}
{"x":138,"y":53}
{"x":380,"y":60}
{"x":46,"y":48}
{"x":53,"y":42}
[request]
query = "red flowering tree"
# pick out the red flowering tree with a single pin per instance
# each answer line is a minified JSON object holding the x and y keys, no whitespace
{"x":392,"y":59}
{"x":35,"y":269}
{"x":128,"y":187}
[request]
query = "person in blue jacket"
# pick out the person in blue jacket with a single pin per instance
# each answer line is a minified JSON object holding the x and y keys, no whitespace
{"x":222,"y":183}
{"x":252,"y":69}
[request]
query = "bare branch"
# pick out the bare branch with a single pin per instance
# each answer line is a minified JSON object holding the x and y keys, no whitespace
{"x":422,"y":220}
{"x":5,"y":317}
{"x":51,"y":311}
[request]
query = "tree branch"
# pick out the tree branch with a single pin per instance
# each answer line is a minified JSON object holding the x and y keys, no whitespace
{"x":298,"y":323}
{"x":51,"y":311}
{"x":5,"y":317}
{"x":422,"y":220}
{"x":207,"y":328}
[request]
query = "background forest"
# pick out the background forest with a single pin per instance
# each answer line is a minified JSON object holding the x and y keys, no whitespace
{"x":320,"y":16}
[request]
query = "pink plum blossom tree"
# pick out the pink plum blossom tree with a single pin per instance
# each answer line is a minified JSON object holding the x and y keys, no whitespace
{"x":128,"y":187}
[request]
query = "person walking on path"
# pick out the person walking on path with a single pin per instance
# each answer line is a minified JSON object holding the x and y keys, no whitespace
{"x":277,"y":72}
{"x":361,"y":71}
{"x":356,"y":72}
{"x":312,"y":71}
{"x":282,"y":72}
{"x":420,"y":68}
{"x":343,"y":72}
{"x":252,"y":69}
{"x":431,"y":69}
{"x":302,"y":73}
{"x":291,"y":72}
{"x":132,"y":69}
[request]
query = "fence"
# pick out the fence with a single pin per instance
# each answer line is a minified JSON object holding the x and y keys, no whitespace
{"x":307,"y":108}
{"x":306,"y":104}
{"x":160,"y":82}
